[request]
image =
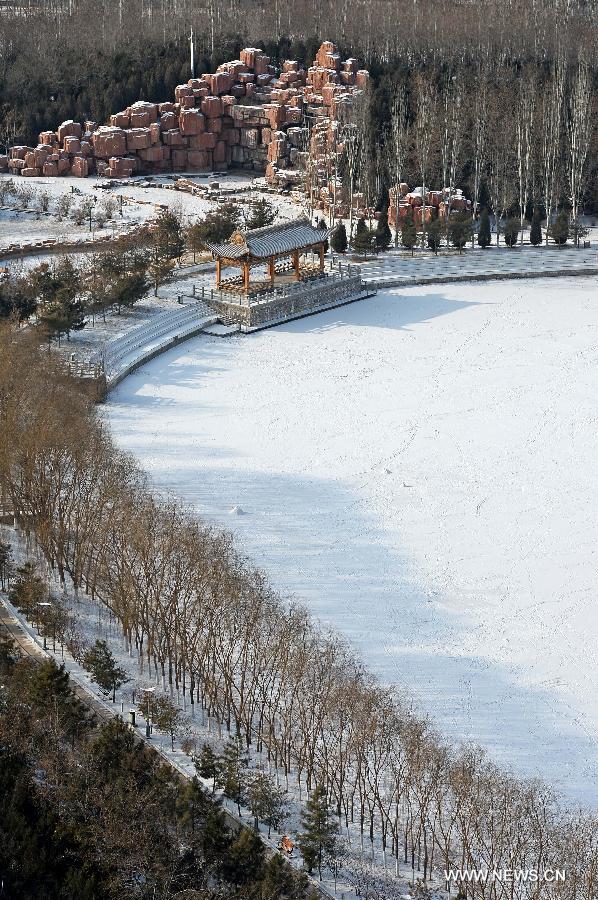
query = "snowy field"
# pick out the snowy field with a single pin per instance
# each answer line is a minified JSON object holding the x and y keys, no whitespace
{"x":23,"y":218}
{"x":421,"y":469}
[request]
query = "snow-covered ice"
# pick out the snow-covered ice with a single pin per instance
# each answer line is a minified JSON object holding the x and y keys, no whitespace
{"x":421,"y":469}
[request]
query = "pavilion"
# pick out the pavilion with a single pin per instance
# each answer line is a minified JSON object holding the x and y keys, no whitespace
{"x":267,"y":246}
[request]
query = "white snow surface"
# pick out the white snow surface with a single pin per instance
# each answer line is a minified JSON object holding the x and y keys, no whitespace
{"x":421,"y":469}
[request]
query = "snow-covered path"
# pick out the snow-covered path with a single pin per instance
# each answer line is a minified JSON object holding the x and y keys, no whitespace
{"x":420,"y":468}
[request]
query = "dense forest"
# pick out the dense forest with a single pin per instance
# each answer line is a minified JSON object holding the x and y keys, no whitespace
{"x":88,"y":812}
{"x":509,"y":83}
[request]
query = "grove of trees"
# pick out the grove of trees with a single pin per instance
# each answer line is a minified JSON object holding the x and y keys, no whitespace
{"x":207,"y":624}
{"x":91,"y":813}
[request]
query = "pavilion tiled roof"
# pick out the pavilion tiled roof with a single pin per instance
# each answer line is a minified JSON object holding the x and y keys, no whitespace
{"x":261,"y":243}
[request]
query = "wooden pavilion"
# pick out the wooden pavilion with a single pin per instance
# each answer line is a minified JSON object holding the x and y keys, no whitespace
{"x":268,"y":246}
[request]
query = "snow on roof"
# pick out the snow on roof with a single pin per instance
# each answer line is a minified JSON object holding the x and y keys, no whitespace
{"x":272,"y":240}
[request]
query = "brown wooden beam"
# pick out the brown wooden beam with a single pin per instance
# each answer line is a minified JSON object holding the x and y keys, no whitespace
{"x":246,"y":277}
{"x":321,"y":248}
{"x":296,"y":265}
{"x":218,"y":273}
{"x":271,"y":270}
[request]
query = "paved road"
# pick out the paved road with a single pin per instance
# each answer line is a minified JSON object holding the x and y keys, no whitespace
{"x":11,"y":627}
{"x":397,"y":269}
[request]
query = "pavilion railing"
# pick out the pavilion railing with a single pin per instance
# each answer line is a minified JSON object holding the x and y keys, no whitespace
{"x":339,"y":272}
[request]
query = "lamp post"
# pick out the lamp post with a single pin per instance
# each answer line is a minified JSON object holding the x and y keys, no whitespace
{"x":44,"y":606}
{"x":148,"y":710}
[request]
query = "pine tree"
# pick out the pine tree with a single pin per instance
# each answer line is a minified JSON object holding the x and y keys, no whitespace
{"x":338,"y":239}
{"x":535,"y":232}
{"x":267,"y":802}
{"x":215,"y":839}
{"x":559,"y":230}
{"x":166,"y":716}
{"x":278,"y":881}
{"x":100,"y":663}
{"x":192,"y":805}
{"x":234,"y":763}
{"x":48,"y":682}
{"x":434,"y":234}
{"x":5,"y":564}
{"x":27,"y":591}
{"x":383,"y":234}
{"x":511,"y":232}
{"x":459,"y":230}
{"x":362,"y":242}
{"x":318,"y":838}
{"x":168,"y":234}
{"x":408,"y":232}
{"x":262,"y":214}
{"x":245,"y":861}
{"x":484,"y":235}
{"x":208,"y":765}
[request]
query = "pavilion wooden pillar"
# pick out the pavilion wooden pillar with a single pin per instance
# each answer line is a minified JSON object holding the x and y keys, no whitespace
{"x":296,"y":265}
{"x":321,"y":257}
{"x":246,"y":277}
{"x":272,"y":270}
{"x":218,"y":271}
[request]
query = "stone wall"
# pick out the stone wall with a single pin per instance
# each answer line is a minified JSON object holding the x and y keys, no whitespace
{"x":301,"y":300}
{"x":247,"y":114}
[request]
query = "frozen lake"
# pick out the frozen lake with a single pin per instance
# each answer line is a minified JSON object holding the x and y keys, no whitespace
{"x":421,"y":469}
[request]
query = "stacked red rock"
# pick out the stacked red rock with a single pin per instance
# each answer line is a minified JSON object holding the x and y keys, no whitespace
{"x":246,"y":114}
{"x":402,"y":203}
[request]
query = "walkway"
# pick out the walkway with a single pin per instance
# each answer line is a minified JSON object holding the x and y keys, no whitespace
{"x":394,"y":269}
{"x":124,"y":354}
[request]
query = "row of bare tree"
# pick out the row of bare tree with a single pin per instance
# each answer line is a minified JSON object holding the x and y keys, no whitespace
{"x":514,"y":140}
{"x":201,"y":618}
{"x":377,"y":30}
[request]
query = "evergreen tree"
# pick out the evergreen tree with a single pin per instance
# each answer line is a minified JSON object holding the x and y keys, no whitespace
{"x":408,"y":232}
{"x":280,"y":882}
{"x":245,"y":862}
{"x":338,"y":239}
{"x":56,"y":291}
{"x":484,"y":234}
{"x":267,"y":802}
{"x":459,"y":230}
{"x":362,"y":242}
{"x":192,"y":805}
{"x":578,"y":231}
{"x":234,"y":763}
{"x":128,"y":289}
{"x":535,"y":232}
{"x":166,"y":716}
{"x":559,"y":229}
{"x":208,"y":765}
{"x":215,"y":839}
{"x":511,"y":232}
{"x":27,"y":590}
{"x":6,"y":566}
{"x":383,"y":233}
{"x":49,"y":682}
{"x":168,"y":234}
{"x":100,"y":663}
{"x":318,"y":838}
{"x":262,"y":214}
{"x":434,"y":234}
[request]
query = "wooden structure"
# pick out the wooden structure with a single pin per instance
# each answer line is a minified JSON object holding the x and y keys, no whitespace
{"x":266,"y":246}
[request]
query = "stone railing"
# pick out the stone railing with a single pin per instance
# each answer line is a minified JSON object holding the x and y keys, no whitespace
{"x":289,"y":302}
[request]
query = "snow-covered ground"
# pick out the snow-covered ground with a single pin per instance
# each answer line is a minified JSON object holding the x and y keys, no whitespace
{"x":32,"y":210}
{"x":421,"y":469}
